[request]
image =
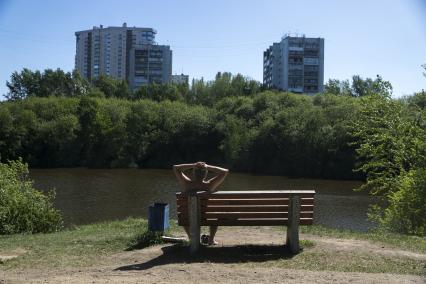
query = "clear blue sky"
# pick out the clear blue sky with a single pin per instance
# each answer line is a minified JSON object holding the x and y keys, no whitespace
{"x":365,"y":37}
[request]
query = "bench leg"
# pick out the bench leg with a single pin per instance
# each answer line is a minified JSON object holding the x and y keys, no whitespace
{"x":194,"y":223}
{"x":293,"y":224}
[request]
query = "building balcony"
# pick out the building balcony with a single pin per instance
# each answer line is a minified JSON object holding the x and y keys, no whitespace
{"x":294,"y":66}
{"x":298,"y":89}
{"x":295,"y":48}
{"x":310,"y":61}
{"x":155,"y":59}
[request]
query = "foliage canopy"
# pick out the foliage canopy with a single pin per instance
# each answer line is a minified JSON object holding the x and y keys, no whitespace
{"x":392,"y":153}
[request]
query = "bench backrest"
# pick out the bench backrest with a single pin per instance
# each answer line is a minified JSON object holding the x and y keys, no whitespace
{"x":247,"y":208}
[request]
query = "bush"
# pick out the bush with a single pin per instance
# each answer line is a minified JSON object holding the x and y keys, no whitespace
{"x":24,"y":209}
{"x":392,"y":154}
{"x":407,"y":207}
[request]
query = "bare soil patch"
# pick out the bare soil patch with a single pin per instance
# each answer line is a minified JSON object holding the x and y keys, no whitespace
{"x":8,"y":255}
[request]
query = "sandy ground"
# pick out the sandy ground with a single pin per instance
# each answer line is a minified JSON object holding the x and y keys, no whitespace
{"x":171,"y":264}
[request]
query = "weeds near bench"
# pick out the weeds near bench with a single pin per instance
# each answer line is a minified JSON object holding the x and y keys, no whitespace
{"x":145,"y":239}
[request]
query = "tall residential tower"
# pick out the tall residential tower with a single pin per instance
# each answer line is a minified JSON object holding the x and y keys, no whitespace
{"x":127,"y":53}
{"x":295,"y":64}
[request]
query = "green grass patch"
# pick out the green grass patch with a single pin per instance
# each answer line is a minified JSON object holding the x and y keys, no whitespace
{"x":404,"y":242}
{"x":80,"y":246}
{"x":306,"y":244}
{"x":145,"y":239}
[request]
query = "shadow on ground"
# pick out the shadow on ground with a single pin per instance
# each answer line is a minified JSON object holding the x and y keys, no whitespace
{"x":236,"y":254}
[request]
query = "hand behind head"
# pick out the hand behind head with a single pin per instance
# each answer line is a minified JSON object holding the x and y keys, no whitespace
{"x":200,"y":165}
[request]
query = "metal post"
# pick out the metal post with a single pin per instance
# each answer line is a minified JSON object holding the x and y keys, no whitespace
{"x":194,"y":222}
{"x":293,"y":224}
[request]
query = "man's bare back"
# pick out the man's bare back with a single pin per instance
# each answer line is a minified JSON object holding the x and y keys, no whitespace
{"x":198,"y":181}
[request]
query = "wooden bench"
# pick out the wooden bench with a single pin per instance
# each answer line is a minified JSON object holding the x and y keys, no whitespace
{"x":246,"y":208}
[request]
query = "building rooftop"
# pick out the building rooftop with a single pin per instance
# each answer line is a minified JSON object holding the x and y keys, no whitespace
{"x":114,"y":27}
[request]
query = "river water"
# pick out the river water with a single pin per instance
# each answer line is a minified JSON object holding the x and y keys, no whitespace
{"x":87,"y":195}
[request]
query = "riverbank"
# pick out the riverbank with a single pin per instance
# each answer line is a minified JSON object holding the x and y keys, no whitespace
{"x":114,"y":251}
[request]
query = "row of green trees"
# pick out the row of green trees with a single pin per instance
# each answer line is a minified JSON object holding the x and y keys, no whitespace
{"x":28,"y":83}
{"x":359,"y":87}
{"x":97,"y":124}
{"x":271,"y":132}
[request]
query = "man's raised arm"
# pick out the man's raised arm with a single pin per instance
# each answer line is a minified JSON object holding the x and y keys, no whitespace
{"x":183,"y":167}
{"x":179,"y":169}
{"x":214,"y":182}
{"x":217,"y":170}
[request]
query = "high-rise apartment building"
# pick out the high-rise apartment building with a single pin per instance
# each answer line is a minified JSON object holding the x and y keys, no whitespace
{"x":295,"y":64}
{"x":150,"y":64}
{"x":180,"y":79}
{"x":114,"y":51}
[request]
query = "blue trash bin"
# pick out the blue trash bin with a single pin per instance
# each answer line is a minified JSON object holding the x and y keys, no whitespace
{"x":158,"y":217}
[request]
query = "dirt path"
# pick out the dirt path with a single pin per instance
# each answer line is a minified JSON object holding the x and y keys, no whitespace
{"x":206,"y":273}
{"x":166,"y":264}
{"x":362,"y":246}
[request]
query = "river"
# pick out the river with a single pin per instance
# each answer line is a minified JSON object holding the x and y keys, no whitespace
{"x":92,"y":195}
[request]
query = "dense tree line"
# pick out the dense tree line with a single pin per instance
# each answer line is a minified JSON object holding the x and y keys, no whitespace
{"x":58,"y":119}
{"x":271,"y":132}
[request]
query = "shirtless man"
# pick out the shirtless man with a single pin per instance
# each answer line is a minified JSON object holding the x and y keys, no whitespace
{"x":199,"y":182}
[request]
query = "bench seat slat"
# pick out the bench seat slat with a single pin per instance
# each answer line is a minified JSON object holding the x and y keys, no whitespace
{"x":309,"y":201}
{"x":253,"y":208}
{"x":240,"y":202}
{"x":237,"y":215}
{"x":253,"y":194}
{"x":304,"y":201}
{"x":247,"y":222}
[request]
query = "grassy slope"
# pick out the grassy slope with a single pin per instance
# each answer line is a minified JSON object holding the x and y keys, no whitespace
{"x":86,"y":245}
{"x":80,"y":246}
